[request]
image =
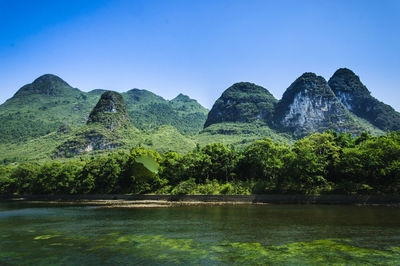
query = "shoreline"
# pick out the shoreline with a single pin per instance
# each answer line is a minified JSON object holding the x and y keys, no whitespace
{"x":140,"y":201}
{"x":135,"y":203}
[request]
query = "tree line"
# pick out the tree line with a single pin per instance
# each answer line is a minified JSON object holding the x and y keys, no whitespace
{"x":320,"y":163}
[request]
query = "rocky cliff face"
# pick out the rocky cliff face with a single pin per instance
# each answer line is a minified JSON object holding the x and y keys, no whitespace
{"x":356,"y":97}
{"x":110,"y":111}
{"x":91,"y":139}
{"x":242,"y":102}
{"x":309,"y":105}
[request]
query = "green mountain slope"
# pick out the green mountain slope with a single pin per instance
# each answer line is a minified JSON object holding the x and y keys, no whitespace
{"x":239,"y":134}
{"x":242,"y":102}
{"x":357,"y":98}
{"x":49,"y":103}
{"x":42,"y":107}
{"x":110,"y":111}
{"x":50,"y":119}
{"x":148,"y":110}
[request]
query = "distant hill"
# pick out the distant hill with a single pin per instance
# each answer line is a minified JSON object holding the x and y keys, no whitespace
{"x":49,"y":103}
{"x":148,"y":110}
{"x":43,"y":107}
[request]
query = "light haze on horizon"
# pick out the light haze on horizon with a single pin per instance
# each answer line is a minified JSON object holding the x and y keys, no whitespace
{"x":199,"y":48}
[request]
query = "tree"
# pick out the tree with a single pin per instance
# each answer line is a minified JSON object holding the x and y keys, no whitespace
{"x":142,"y":171}
{"x":24,"y":175}
{"x":314,"y":156}
{"x":218,"y":162}
{"x":7,"y":184}
{"x":263,"y":160}
{"x":374,"y":162}
{"x":172,"y":168}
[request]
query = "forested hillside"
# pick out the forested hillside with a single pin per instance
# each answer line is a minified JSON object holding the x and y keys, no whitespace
{"x":49,"y":119}
{"x":49,"y":103}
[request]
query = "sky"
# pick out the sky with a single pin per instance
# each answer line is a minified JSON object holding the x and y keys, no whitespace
{"x":199,"y":48}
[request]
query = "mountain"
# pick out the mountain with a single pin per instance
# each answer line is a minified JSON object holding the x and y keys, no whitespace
{"x":48,"y":84}
{"x":242,"y":114}
{"x":49,"y":104}
{"x":242,"y":102}
{"x":110,"y":111}
{"x":309,"y":105}
{"x":42,"y":107}
{"x":49,"y":118}
{"x":184,"y":104}
{"x":148,"y":110}
{"x":357,"y":98}
{"x":104,"y":128}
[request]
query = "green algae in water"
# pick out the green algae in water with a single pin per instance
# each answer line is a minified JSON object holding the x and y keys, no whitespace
{"x":43,"y":237}
{"x":162,"y":249}
{"x":283,"y":235}
{"x":332,"y":251}
{"x":313,"y":252}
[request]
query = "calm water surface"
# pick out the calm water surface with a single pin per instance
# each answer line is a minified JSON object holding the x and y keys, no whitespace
{"x":269,"y":234}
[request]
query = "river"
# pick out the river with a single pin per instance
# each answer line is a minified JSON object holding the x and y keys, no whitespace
{"x":42,"y":234}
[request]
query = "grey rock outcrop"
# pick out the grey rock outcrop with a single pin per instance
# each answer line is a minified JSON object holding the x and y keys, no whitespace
{"x":309,"y":105}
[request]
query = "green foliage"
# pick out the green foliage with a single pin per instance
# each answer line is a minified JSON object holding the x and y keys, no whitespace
{"x":217,"y":162}
{"x":239,"y":134}
{"x":314,"y":156}
{"x":185,"y":187}
{"x":374,"y":162}
{"x":347,"y":85}
{"x":42,"y":107}
{"x":7,"y":184}
{"x":263,"y":159}
{"x":320,"y":163}
{"x":142,"y":169}
{"x":172,"y":168}
{"x":110,"y":111}
{"x":49,"y":104}
{"x":242,"y":102}
{"x":149,"y":111}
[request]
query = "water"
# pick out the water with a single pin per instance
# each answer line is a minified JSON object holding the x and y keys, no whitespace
{"x":269,"y":234}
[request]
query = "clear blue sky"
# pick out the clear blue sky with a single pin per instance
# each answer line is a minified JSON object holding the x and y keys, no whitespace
{"x":199,"y":47}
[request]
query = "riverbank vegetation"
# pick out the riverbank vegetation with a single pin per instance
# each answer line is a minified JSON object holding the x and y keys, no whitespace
{"x":321,"y":163}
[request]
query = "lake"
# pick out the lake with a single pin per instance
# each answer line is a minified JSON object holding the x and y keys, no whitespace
{"x":37,"y":233}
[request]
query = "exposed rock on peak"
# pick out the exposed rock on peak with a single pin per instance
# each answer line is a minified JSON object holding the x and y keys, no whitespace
{"x":110,"y":111}
{"x":309,"y":105}
{"x":356,"y":97}
{"x":242,"y":102}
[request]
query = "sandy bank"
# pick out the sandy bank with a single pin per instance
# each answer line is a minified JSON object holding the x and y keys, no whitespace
{"x":131,"y":201}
